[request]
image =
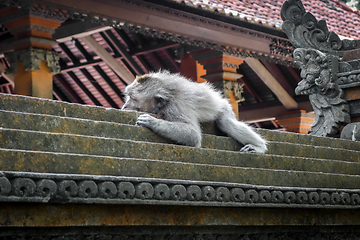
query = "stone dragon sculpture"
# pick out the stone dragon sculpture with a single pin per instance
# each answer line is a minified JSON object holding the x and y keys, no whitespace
{"x":319,"y":54}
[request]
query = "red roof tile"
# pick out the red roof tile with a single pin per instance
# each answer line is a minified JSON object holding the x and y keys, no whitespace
{"x":344,"y":21}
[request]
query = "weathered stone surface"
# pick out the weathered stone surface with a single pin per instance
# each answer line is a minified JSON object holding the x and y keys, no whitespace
{"x":100,"y":114}
{"x":351,"y":132}
{"x":43,"y":106}
{"x":309,"y":173}
{"x":279,"y":136}
{"x":86,"y":127}
{"x":56,"y":124}
{"x":70,"y":143}
{"x":183,"y":232}
{"x":301,"y":150}
{"x":60,"y":215}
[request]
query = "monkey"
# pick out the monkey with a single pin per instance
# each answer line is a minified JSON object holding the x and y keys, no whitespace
{"x":182,"y":105}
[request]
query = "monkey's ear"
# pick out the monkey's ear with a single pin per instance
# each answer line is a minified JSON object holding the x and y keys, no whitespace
{"x":161,"y":101}
{"x":142,"y":78}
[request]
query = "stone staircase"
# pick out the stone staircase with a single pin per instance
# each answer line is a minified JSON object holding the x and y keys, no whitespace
{"x":58,"y":154}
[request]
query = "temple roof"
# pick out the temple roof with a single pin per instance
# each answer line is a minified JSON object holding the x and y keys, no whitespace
{"x":340,"y":18}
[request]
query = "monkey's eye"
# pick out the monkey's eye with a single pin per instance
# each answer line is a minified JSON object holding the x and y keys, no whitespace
{"x":134,"y":99}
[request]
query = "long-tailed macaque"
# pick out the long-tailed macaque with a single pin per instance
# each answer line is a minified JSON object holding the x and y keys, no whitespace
{"x":183,"y":105}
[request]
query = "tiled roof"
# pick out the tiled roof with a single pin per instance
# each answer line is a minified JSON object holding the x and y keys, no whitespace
{"x":339,"y":17}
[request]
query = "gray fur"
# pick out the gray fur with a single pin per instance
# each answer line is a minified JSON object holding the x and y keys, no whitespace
{"x":183,"y":105}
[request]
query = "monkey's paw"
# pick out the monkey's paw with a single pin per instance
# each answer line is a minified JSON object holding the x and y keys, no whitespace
{"x":145,"y":120}
{"x":253,"y":149}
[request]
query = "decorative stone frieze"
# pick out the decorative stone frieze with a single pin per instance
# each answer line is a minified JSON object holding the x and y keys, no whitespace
{"x":32,"y":58}
{"x":89,"y":189}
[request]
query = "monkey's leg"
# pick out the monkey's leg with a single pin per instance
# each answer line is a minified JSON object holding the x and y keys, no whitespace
{"x":241,"y":132}
{"x":183,"y":133}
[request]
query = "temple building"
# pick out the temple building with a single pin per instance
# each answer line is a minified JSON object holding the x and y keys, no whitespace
{"x":74,"y":166}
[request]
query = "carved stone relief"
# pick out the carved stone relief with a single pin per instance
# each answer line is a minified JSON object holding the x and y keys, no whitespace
{"x":90,"y":189}
{"x":319,"y":81}
{"x":32,"y":58}
{"x":324,"y":74}
{"x":305,"y":31}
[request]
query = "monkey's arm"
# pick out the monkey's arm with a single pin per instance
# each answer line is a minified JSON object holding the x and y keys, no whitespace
{"x":180,"y":132}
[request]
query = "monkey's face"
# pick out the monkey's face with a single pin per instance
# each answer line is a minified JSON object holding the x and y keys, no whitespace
{"x":136,"y":98}
{"x":138,"y":103}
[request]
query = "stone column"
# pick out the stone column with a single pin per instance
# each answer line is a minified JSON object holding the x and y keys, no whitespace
{"x":32,"y":60}
{"x":298,"y":121}
{"x":221,"y":70}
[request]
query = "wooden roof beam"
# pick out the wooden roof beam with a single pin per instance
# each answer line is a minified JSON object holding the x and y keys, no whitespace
{"x":250,"y":89}
{"x":157,"y":47}
{"x":8,"y":77}
{"x":110,"y":82}
{"x":175,"y":24}
{"x":119,"y":69}
{"x":272,"y":83}
{"x":294,"y":74}
{"x":279,"y":76}
{"x":122,"y":50}
{"x":83,"y":88}
{"x":62,"y":82}
{"x":171,"y":59}
{"x":77,"y":29}
{"x":99,"y":88}
{"x":267,"y":112}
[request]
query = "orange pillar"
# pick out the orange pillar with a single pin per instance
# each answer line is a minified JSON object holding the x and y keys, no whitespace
{"x":221,"y":70}
{"x":32,"y":60}
{"x":192,"y":69}
{"x":298,"y":121}
{"x":353,"y":94}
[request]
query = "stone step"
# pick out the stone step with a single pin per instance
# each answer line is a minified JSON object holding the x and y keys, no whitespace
{"x":49,"y":107}
{"x":55,"y":124}
{"x":50,"y":162}
{"x":101,"y":146}
{"x":280,"y":136}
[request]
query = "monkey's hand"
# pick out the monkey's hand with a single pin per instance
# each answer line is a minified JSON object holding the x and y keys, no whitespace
{"x":179,"y":132}
{"x":145,"y":120}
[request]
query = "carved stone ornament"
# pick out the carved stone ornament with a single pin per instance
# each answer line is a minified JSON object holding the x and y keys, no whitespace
{"x":236,"y":88}
{"x":305,"y":31}
{"x":31,"y":58}
{"x":90,"y":189}
{"x":225,"y":86}
{"x":319,"y":81}
{"x":327,"y":67}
